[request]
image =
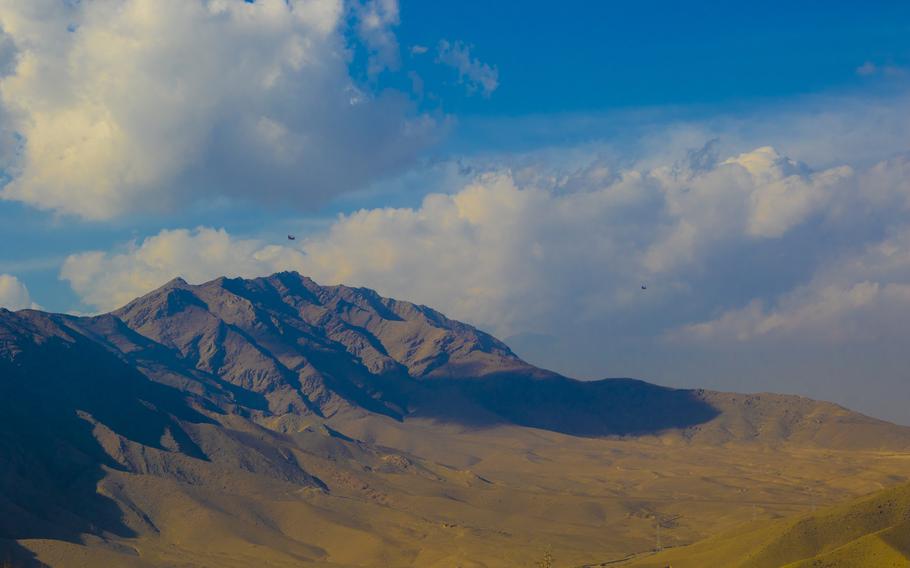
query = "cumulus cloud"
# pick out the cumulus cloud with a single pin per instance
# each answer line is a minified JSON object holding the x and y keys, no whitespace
{"x":758,"y":194}
{"x":519,"y":251}
{"x":538,"y":250}
{"x":857,"y":298}
{"x":760,"y":270}
{"x":859,"y":293}
{"x":121,"y":105}
{"x":108,"y":280}
{"x":14,"y":294}
{"x":473,"y":73}
{"x":493,"y":253}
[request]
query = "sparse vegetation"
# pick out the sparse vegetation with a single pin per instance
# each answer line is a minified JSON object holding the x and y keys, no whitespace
{"x":546,"y":561}
{"x":870,"y":531}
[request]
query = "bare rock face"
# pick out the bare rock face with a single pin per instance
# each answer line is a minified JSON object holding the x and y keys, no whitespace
{"x":310,"y":348}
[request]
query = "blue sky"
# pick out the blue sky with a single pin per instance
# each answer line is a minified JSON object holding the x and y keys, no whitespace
{"x":583,"y":56}
{"x":522,"y":166}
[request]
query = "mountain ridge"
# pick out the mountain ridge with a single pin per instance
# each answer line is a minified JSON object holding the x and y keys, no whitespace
{"x":283,"y":345}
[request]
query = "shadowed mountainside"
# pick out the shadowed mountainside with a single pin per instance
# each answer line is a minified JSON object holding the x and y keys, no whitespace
{"x":610,"y":407}
{"x":285,"y":346}
{"x":54,"y":385}
{"x":282,"y":347}
{"x":72,"y":411}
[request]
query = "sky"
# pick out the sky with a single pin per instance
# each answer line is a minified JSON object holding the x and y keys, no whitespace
{"x":522,"y":166}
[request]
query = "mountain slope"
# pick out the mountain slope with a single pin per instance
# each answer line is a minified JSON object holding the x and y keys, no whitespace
{"x":307,"y":347}
{"x":285,"y":346}
{"x":282,"y":350}
{"x":873,"y":531}
{"x":870,"y":531}
{"x":774,"y":418}
{"x":300,"y":348}
{"x":74,"y":415}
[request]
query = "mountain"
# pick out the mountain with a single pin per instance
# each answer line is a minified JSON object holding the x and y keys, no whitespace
{"x":283,"y":346}
{"x":280,"y":413}
{"x":297,"y":347}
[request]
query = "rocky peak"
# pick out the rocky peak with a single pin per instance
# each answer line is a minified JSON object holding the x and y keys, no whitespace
{"x":302,"y":345}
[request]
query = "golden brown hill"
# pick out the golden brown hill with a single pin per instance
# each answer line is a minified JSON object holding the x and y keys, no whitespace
{"x":872,"y":531}
{"x":772,"y":418}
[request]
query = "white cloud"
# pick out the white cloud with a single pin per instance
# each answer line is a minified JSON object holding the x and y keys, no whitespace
{"x":530,"y":250}
{"x":125,"y":105}
{"x":376,"y":18}
{"x":109,"y":280}
{"x":755,"y":195}
{"x":14,"y":294}
{"x":473,"y":73}
{"x":494,"y":253}
{"x":857,"y":297}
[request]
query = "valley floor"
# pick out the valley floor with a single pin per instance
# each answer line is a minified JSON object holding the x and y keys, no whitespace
{"x":446,"y":496}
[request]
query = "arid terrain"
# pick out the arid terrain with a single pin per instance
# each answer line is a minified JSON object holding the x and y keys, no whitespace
{"x":276,"y":422}
{"x":869,"y":531}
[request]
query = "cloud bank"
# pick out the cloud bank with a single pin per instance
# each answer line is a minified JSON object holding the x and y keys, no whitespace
{"x":762,"y":272}
{"x":861,"y":297}
{"x":537,"y":250}
{"x":113,"y":106}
